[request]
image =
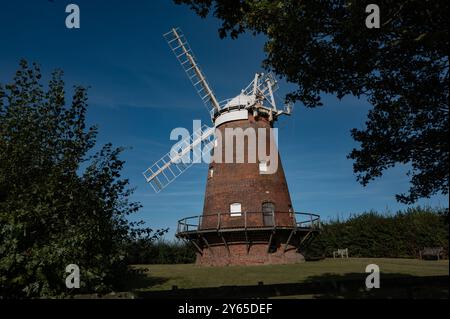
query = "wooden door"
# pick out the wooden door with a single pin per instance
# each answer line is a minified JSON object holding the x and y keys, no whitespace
{"x":268,"y":210}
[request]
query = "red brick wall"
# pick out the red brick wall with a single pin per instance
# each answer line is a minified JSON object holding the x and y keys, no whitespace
{"x":257,"y":255}
{"x":243,"y":183}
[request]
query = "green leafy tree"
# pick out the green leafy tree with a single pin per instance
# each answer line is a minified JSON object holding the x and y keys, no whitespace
{"x":60,"y":201}
{"x":143,"y":251}
{"x":400,"y":68}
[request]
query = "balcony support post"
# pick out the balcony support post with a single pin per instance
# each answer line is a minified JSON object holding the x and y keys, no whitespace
{"x":225,"y":243}
{"x":197,"y":247}
{"x":270,"y":241}
{"x":207,"y":245}
{"x":288,"y":240}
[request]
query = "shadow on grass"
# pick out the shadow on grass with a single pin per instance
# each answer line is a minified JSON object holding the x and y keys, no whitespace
{"x":327,"y":286}
{"x":129,"y":286}
{"x":141,"y":278}
{"x":392,"y":286}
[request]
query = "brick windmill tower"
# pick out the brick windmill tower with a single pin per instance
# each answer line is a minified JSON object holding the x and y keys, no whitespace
{"x":247,"y":216}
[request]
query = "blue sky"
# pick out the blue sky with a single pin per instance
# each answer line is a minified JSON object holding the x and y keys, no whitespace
{"x":139,"y":93}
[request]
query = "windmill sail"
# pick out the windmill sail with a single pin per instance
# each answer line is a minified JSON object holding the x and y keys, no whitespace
{"x":174,"y":163}
{"x":183,"y":52}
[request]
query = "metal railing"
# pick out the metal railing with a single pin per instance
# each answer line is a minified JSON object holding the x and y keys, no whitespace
{"x":285,"y":108}
{"x":249,"y":220}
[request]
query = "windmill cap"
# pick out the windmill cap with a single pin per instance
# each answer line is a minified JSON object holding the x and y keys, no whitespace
{"x":240,"y":100}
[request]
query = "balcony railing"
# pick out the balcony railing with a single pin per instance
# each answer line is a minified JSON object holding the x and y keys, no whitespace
{"x":249,"y":221}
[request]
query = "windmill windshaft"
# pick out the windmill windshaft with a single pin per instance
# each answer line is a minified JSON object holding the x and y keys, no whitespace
{"x":173,"y":164}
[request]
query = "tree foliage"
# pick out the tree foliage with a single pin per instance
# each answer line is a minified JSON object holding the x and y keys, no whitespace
{"x":61,"y":202}
{"x":400,"y":235}
{"x":159,"y":252}
{"x":400,"y":68}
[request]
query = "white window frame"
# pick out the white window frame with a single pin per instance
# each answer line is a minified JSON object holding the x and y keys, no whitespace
{"x":235,"y":209}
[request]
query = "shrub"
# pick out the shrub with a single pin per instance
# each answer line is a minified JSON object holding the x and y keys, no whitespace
{"x":370,"y":234}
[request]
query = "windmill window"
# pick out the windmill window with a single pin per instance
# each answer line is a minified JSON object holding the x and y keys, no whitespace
{"x":262,"y":166}
{"x":235,"y":209}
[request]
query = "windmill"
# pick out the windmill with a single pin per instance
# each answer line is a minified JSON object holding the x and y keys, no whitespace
{"x":247,"y":216}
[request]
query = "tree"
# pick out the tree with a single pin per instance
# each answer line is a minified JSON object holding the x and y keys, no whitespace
{"x":400,"y":68}
{"x":61,"y":202}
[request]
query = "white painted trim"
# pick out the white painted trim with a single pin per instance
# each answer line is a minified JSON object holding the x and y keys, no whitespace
{"x":231,"y":116}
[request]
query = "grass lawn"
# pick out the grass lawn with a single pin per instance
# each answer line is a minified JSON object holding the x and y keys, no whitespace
{"x":163,"y":277}
{"x":192,"y":279}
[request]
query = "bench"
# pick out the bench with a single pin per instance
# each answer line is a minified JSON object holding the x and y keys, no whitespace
{"x":431,"y":251}
{"x":341,"y":252}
